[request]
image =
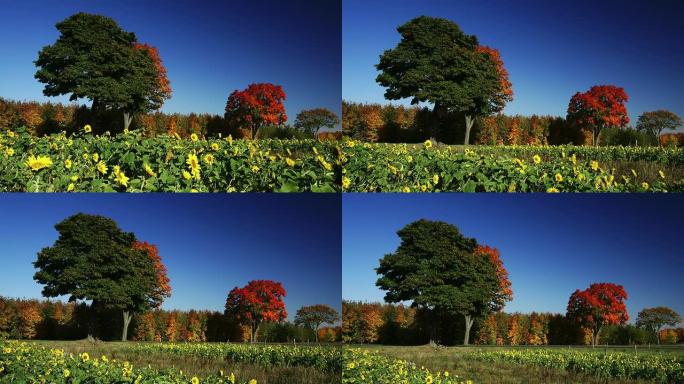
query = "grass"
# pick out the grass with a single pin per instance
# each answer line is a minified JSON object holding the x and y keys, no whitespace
{"x":194,"y":366}
{"x":458,"y":361}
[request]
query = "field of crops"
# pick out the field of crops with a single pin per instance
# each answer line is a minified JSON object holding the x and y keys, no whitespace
{"x":658,"y":368}
{"x":327,"y":359}
{"x":431,"y":168}
{"x":132,"y":163}
{"x":362,"y":366}
{"x":176,"y":363}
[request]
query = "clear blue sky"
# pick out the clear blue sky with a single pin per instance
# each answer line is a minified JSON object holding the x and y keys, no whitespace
{"x":210,"y":48}
{"x":550,"y":244}
{"x":551,"y":49}
{"x":209,"y":243}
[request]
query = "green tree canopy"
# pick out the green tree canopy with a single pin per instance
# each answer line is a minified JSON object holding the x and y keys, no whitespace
{"x":654,"y":123}
{"x":314,"y":315}
{"x":436,"y":62}
{"x":95,"y":59}
{"x":312,"y":120}
{"x":436,"y":268}
{"x":92,"y":259}
{"x":656,"y":318}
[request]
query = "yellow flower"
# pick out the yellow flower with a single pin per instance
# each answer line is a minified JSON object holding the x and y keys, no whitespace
{"x":423,"y":187}
{"x":96,"y":157}
{"x":71,"y":187}
{"x":581,"y":177}
{"x":662,"y":174}
{"x":149,"y":170}
{"x":253,"y":381}
{"x":573,"y":158}
{"x":558,"y":177}
{"x":209,"y":159}
{"x":634,"y":173}
{"x":435,"y":179}
{"x":85,"y":357}
{"x":446,"y":373}
{"x":229,"y":139}
{"x":428,"y":144}
{"x":120,"y":177}
{"x":66,"y":373}
{"x":194,"y":137}
{"x":409,"y":158}
{"x":9,"y":151}
{"x":345,"y":182}
{"x":187,"y":175}
{"x":428,"y":379}
{"x":644,"y":185}
{"x":10,"y":133}
{"x":87,"y":128}
{"x":594,"y":165}
{"x":74,"y":178}
{"x":536,"y":159}
{"x":194,"y":380}
{"x":215,"y":146}
{"x":38,"y":163}
{"x":406,"y":189}
{"x":290,"y":162}
{"x":104,"y":358}
{"x":552,"y":190}
{"x":67,"y":164}
{"x":102,"y":167}
{"x":232,"y":378}
{"x":255,"y":169}
{"x":192,"y":161}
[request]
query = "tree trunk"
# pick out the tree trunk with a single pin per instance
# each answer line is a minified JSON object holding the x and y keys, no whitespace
{"x":128,"y":118}
{"x":657,"y":333}
{"x":433,"y":329}
{"x":316,"y":133}
{"x":92,"y":321}
{"x":595,"y":336}
{"x":316,"y":332}
{"x":127,"y":316}
{"x":469,"y":124}
{"x":469,"y":320}
{"x":254,"y":328}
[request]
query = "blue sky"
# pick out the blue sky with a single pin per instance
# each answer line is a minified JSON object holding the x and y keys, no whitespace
{"x":209,"y":48}
{"x":552,"y":49}
{"x":209,"y":243}
{"x":550,"y":244}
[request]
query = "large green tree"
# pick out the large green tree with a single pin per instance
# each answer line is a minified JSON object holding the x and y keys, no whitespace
{"x":656,"y":318}
{"x":95,"y":59}
{"x":438,"y":269}
{"x":94,"y":260}
{"x":313,"y":316}
{"x":312,"y":120}
{"x":655,"y":122}
{"x":436,"y":62}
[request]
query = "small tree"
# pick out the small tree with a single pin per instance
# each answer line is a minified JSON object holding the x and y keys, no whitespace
{"x":312,"y":120}
{"x":257,"y":302}
{"x":436,"y":62}
{"x":600,"y":107}
{"x":256,"y":106}
{"x":95,"y":59}
{"x":315,"y":315}
{"x":600,"y":304}
{"x":653,"y":123}
{"x":656,"y":318}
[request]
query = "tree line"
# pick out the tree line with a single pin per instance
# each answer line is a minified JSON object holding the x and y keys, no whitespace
{"x":57,"y":320}
{"x":397,"y":324}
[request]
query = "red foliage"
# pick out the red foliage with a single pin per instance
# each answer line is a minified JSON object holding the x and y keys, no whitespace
{"x":258,"y":105}
{"x":505,"y":291}
{"x":602,"y":106}
{"x":258,"y":301}
{"x":163,"y":288}
{"x":601,"y":304}
{"x":163,"y":83}
{"x":505,"y":89}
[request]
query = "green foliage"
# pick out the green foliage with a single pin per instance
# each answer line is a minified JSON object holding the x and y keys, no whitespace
{"x":311,"y":120}
{"x":166,"y":163}
{"x":314,"y":315}
{"x":427,"y":168}
{"x":660,"y":369}
{"x":94,"y":58}
{"x":653,"y":123}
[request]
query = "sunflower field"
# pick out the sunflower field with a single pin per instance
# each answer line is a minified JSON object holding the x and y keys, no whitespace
{"x":26,"y":363}
{"x":430,"y":168}
{"x":620,"y":365}
{"x":131,"y":163}
{"x":362,"y":366}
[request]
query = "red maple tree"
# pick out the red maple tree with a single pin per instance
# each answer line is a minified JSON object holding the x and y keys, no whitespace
{"x":600,"y":304}
{"x":259,"y":301}
{"x":505,"y":91}
{"x":600,"y":107}
{"x":163,"y":83}
{"x":258,"y":105}
{"x":505,"y":291}
{"x":163,"y":288}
